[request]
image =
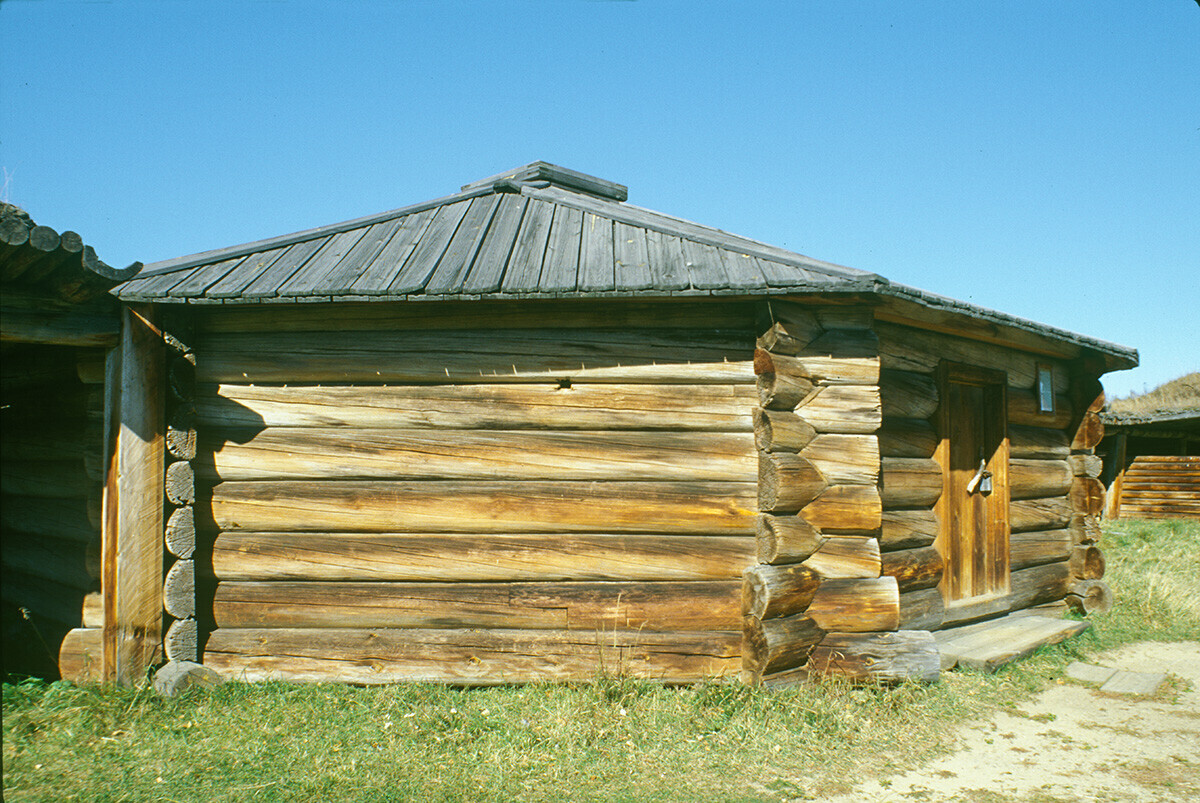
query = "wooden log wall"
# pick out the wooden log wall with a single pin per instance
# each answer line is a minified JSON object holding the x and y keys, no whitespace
{"x":51,"y":445}
{"x":182,"y":633}
{"x":1054,"y":494}
{"x":473,"y":493}
{"x":821,"y":587}
{"x":1158,"y":487}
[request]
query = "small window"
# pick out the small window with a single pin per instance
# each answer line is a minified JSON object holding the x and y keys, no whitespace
{"x":1045,"y":388}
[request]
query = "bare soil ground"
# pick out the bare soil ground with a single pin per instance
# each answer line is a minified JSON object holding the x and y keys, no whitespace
{"x":1075,"y":743}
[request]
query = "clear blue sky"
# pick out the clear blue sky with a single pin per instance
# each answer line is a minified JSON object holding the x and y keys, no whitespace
{"x":1040,"y":158}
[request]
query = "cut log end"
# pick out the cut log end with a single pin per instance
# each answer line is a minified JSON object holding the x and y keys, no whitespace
{"x":1090,"y":596}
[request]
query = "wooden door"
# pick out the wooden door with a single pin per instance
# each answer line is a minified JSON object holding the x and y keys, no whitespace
{"x":973,"y":453}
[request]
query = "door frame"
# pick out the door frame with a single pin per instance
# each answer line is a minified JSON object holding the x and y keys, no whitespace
{"x":995,"y":413}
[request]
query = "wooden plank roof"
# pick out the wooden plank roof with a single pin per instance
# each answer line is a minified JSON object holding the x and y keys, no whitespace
{"x":539,"y":231}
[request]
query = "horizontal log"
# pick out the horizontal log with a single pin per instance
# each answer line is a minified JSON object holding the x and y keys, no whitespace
{"x":469,"y":657}
{"x":1085,"y":465}
{"x":1090,"y":596}
{"x":859,"y":605}
{"x":910,"y":482}
{"x":478,"y":507}
{"x":43,"y":597}
{"x":787,"y":482}
{"x":1084,"y":529}
{"x":80,"y":657}
{"x":907,"y":529}
{"x":841,"y":357}
{"x":583,"y":606}
{"x":785,"y":539}
{"x":781,"y":431}
{"x":57,"y":518}
{"x":467,"y":558}
{"x":1087,"y":562}
{"x":181,"y":641}
{"x":846,"y":316}
{"x":845,"y":459}
{"x":906,"y":655}
{"x":843,"y":556}
{"x":910,"y":349}
{"x":790,"y":334}
{"x":93,"y":609}
{"x":1087,"y":496}
{"x":776,"y":645}
{"x":845,"y":509}
{"x":849,"y":409}
{"x":180,"y":483}
{"x":779,"y":389}
{"x":700,"y":356}
{"x":60,"y":560}
{"x":180,"y":437}
{"x":59,"y":329}
{"x":906,"y":394}
{"x":922,"y":610}
{"x":1088,"y":432}
{"x":49,"y":479}
{"x":1038,"y":443}
{"x":1034,"y":548}
{"x":1038,"y":584}
{"x":907,"y":437}
{"x":63,"y":441}
{"x":1034,"y":479}
{"x":180,"y":532}
{"x":179,"y":589}
{"x":772,"y":591}
{"x":345,"y":453}
{"x":713,"y":408}
{"x":1024,"y":410}
{"x":1039,"y":514}
{"x":913,"y":569}
{"x":486,"y":315}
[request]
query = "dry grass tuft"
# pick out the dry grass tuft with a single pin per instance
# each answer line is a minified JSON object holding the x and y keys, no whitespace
{"x":1178,"y":394}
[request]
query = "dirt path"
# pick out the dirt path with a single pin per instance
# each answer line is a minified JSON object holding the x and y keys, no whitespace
{"x":1074,"y":743}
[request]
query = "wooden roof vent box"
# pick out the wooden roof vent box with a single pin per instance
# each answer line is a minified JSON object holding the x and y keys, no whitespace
{"x":543,"y":174}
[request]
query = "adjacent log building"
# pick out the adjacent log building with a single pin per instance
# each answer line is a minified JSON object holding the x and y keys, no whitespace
{"x":528,"y":431}
{"x":1152,"y":464}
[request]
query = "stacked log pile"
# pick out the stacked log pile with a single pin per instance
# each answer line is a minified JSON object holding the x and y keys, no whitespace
{"x":50,"y":512}
{"x":475,"y":493}
{"x":819,"y":601}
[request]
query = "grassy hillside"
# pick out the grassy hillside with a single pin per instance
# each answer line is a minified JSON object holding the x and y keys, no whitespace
{"x":1178,"y":394}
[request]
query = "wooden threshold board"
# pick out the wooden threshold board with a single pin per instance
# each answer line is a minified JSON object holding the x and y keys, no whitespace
{"x":989,"y":645}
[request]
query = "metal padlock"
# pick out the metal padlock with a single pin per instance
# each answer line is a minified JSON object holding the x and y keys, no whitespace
{"x":982,"y":481}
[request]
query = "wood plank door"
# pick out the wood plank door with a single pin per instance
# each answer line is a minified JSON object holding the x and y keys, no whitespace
{"x":973,"y":509}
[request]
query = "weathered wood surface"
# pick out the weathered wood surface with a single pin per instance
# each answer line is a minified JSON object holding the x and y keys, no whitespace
{"x":907,"y":529}
{"x":861,"y":605}
{"x":483,"y":315}
{"x":1085,"y":465}
{"x":913,"y":569}
{"x":463,"y":558}
{"x":584,"y":606}
{"x":1034,"y":479}
{"x":789,"y":332}
{"x":922,"y":610}
{"x":785,"y":539}
{"x":179,"y":589}
{"x":699,"y":356}
{"x":775,"y":645}
{"x":180,"y":532}
{"x":80,"y":657}
{"x":987,"y":646}
{"x":1039,"y":514}
{"x":181,"y":641}
{"x":1023,"y":410}
{"x":885,"y":657}
{"x":843,"y":556}
{"x":843,"y":357}
{"x":1087,"y":495}
{"x":93,"y":610}
{"x":42,"y":597}
{"x":845,"y":509}
{"x":1090,"y":596}
{"x":780,"y":431}
{"x":787,"y":482}
{"x":181,"y":436}
{"x":1087,"y":562}
{"x":910,"y":482}
{"x":709,"y":408}
{"x":353,"y":453}
{"x":49,"y":479}
{"x":907,"y":437}
{"x":60,"y":560}
{"x":1038,"y":584}
{"x":1084,"y":528}
{"x":778,"y":388}
{"x":1038,"y":443}
{"x":1088,"y":432}
{"x":848,"y":409}
{"x":180,"y":483}
{"x":911,"y":349}
{"x":905,"y":394}
{"x":1033,"y":548}
{"x":480,"y":507}
{"x":471,"y":657}
{"x":845,"y":459}
{"x":772,"y":591}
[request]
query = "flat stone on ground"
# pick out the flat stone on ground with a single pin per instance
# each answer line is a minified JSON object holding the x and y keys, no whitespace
{"x":1144,"y":683}
{"x":1089,"y":673}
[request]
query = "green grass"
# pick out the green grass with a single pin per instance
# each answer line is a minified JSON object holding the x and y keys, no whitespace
{"x":615,"y":739}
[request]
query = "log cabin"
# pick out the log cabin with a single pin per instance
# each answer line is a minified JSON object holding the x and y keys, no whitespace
{"x":528,"y":432}
{"x":1152,"y":463}
{"x":58,"y":324}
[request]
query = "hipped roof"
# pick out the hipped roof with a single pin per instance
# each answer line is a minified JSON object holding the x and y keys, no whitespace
{"x":540,"y":231}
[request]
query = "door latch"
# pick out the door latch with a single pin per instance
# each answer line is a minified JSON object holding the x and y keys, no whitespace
{"x":982,"y":481}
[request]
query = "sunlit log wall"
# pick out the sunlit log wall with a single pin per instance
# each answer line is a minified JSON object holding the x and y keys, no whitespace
{"x":474,"y":493}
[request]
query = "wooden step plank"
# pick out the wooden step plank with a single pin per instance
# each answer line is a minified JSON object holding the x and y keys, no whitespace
{"x":987,"y":646}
